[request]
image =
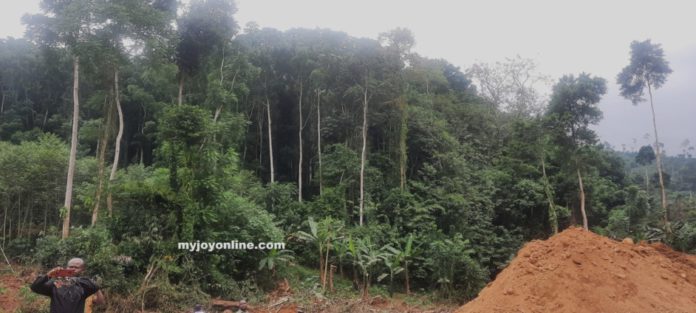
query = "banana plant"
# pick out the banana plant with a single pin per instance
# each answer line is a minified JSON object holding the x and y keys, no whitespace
{"x":392,"y":259}
{"x":323,"y":234}
{"x":365,"y":256}
{"x":274,"y":258}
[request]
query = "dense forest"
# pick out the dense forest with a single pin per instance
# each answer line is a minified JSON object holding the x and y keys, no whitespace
{"x":365,"y":158}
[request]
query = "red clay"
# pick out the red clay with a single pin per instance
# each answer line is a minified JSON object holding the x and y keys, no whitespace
{"x":9,"y":292}
{"x":582,"y":272}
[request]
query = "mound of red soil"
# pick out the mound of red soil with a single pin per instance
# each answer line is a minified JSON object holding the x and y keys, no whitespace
{"x":579,"y":271}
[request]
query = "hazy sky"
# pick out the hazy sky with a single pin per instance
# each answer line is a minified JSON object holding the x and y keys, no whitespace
{"x":564,"y":37}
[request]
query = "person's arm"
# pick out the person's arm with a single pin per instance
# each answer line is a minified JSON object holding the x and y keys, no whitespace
{"x":43,"y":284}
{"x":89,"y":286}
{"x":99,"y":298}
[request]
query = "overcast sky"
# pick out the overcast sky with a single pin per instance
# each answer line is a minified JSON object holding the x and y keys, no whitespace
{"x":563,"y":37}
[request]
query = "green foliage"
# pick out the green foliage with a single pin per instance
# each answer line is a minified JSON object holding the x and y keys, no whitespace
{"x":648,"y":68}
{"x":645,"y":155}
{"x":185,"y":125}
{"x":455,"y":180}
{"x":453,"y":269}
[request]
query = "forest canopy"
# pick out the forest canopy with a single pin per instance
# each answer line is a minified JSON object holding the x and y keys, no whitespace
{"x":358,"y":153}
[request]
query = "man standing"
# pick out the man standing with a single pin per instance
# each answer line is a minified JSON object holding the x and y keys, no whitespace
{"x":67,"y":289}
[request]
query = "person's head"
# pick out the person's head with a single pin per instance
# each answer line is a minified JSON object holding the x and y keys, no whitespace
{"x":77,"y":265}
{"x":197,"y":308}
{"x":243,"y":304}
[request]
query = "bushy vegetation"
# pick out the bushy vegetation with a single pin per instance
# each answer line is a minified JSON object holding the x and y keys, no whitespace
{"x":368,"y":160}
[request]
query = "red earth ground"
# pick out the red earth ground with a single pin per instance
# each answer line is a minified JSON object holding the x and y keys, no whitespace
{"x":581,"y":272}
{"x":9,"y":292}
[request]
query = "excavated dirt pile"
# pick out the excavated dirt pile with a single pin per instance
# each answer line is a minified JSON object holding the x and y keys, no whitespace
{"x":579,"y":271}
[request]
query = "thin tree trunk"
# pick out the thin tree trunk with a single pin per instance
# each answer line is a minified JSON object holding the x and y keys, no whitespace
{"x":658,"y":159}
{"x":553,"y":217}
{"x":181,"y":88}
{"x":73,"y":148}
{"x":331,"y":277}
{"x":326,"y":269}
{"x":45,"y":223}
{"x":4,"y":222}
{"x":403,"y":156}
{"x":220,"y":107}
{"x":43,"y":124}
{"x":299,"y":135}
{"x":582,"y":201}
{"x":321,"y":267}
{"x":363,"y":155}
{"x":366,"y":288}
{"x":2,"y":105}
{"x":19,"y":216}
{"x":117,"y":144}
{"x":321,"y":181}
{"x":647,"y":181}
{"x":408,"y":282}
{"x":102,"y":160}
{"x":261,"y":118}
{"x":270,"y":140}
{"x":28,"y":221}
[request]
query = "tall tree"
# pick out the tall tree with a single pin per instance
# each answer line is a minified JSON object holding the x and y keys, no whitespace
{"x":648,"y":69}
{"x":137,"y":22}
{"x":69,"y":23}
{"x":571,"y":111}
{"x":205,"y":27}
{"x":511,"y":85}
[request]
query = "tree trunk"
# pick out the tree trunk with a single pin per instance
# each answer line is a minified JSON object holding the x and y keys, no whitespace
{"x":4,"y":223}
{"x":647,"y":181}
{"x":363,"y":155}
{"x":408,"y":282}
{"x":553,"y":217}
{"x":73,"y":147}
{"x":102,"y":157}
{"x":181,"y":89}
{"x":19,"y":216}
{"x":366,"y":287}
{"x":270,"y":140}
{"x":45,"y":222}
{"x":403,"y":156}
{"x":326,"y":269}
{"x":321,"y":181}
{"x":582,"y":201}
{"x":299,"y":135}
{"x":2,"y":105}
{"x":321,"y":267}
{"x":331,"y":277}
{"x":658,"y":158}
{"x":220,"y":107}
{"x":117,"y":144}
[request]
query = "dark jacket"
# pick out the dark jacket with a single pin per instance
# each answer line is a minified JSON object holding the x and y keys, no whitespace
{"x":67,"y":296}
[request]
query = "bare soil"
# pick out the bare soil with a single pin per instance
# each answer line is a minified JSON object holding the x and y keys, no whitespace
{"x":581,"y":272}
{"x":9,"y":292}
